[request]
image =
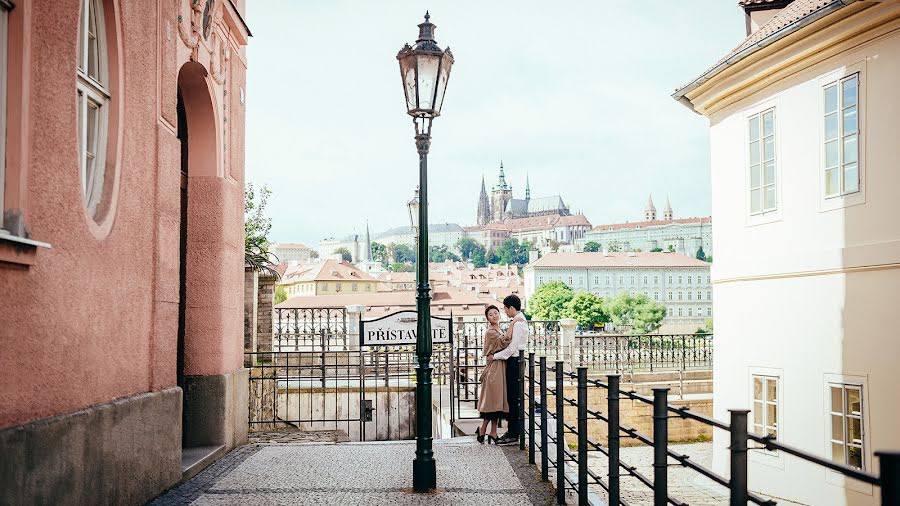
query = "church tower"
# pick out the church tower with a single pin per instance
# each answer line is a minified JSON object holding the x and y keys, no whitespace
{"x":650,"y":210}
{"x":500,"y":195}
{"x":667,"y":212}
{"x":484,"y":206}
{"x":527,"y":188}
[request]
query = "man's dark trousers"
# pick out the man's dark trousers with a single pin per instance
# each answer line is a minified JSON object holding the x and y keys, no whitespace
{"x":512,"y":396}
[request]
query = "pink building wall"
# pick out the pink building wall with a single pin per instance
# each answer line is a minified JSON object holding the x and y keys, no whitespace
{"x":95,"y":316}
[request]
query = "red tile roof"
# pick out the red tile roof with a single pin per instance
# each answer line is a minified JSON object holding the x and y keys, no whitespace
{"x":444,"y":300}
{"x":640,"y":259}
{"x":652,"y":223}
{"x":329,"y":270}
{"x":537,"y":223}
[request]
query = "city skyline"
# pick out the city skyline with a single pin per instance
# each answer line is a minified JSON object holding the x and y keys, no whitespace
{"x":603,"y":135}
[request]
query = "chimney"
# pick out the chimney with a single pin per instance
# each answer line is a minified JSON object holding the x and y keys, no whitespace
{"x":532,"y":256}
{"x":759,"y":12}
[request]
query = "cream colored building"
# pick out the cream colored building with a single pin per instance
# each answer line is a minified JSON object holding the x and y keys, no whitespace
{"x":805,"y":146}
{"x":329,"y":277}
{"x":680,"y":283}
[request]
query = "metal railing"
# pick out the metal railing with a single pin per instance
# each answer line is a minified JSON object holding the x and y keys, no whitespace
{"x":578,"y":481}
{"x":299,"y":329}
{"x":638,"y":353}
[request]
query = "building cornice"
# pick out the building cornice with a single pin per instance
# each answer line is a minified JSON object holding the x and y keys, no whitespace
{"x":848,"y":28}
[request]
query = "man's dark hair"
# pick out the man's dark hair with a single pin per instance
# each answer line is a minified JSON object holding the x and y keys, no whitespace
{"x":513,"y":301}
{"x":488,"y":309}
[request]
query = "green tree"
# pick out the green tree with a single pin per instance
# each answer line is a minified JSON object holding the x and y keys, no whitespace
{"x":379,"y":252}
{"x":671,"y":249}
{"x":549,"y":301}
{"x":587,"y":309}
{"x":709,"y":258}
{"x":701,"y":255}
{"x":614,"y":247}
{"x":638,"y":311}
{"x":479,"y":257}
{"x":467,"y":247}
{"x":256,"y":230}
{"x":513,"y":252}
{"x":592,"y":246}
{"x":313,"y":254}
{"x":344,"y":253}
{"x":402,"y":267}
{"x":403,"y":254}
{"x":554,"y":245}
{"x":656,"y":250}
{"x":280,"y":294}
{"x":441,"y":254}
{"x":492,"y":258}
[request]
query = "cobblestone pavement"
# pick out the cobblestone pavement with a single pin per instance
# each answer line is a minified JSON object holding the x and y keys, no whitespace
{"x":295,"y":436}
{"x":363,"y":474}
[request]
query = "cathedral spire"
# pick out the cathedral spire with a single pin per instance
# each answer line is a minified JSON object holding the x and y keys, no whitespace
{"x":667,"y":212}
{"x":527,"y":187}
{"x":650,"y":210}
{"x":484,"y":205}
{"x":501,"y":183}
{"x":368,"y":244}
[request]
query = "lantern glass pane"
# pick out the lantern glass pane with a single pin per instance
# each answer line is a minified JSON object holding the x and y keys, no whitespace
{"x":428,"y":73}
{"x":443,"y":77}
{"x":408,"y":73}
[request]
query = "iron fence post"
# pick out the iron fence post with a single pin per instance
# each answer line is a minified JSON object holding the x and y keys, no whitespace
{"x":612,"y":407}
{"x":660,"y":446}
{"x":520,"y":411}
{"x":889,"y":476}
{"x":582,"y":437}
{"x":738,"y":482}
{"x":531,"y":408}
{"x":543,"y":381}
{"x":560,"y":435}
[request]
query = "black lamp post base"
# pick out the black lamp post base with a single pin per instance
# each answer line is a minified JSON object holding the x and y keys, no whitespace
{"x":424,"y":475}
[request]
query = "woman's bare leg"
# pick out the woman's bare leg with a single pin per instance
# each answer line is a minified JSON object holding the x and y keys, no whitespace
{"x":484,"y":424}
{"x":493,"y":428}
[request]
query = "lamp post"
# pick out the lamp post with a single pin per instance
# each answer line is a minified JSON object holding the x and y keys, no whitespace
{"x":424,"y":69}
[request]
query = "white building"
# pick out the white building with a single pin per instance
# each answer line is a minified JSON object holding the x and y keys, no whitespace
{"x":805,"y":141}
{"x":289,"y":253}
{"x":439,"y":234}
{"x":679,"y":282}
{"x":682,"y":235}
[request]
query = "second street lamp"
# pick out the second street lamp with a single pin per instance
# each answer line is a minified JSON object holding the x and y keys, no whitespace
{"x":425,"y":69}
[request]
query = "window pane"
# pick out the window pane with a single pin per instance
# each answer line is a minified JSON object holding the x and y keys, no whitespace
{"x":850,"y":148}
{"x":850,"y":92}
{"x":854,"y":457}
{"x":769,"y":123}
{"x":854,"y":430}
{"x":772,"y":415}
{"x":831,"y":98}
{"x":770,"y":198}
{"x":770,"y":172}
{"x":754,"y":201}
{"x":851,"y":178}
{"x":853,"y":401}
{"x":769,"y":148}
{"x":754,"y":128}
{"x":837,"y":427}
{"x":93,"y":46}
{"x":754,"y":176}
{"x":757,"y":388}
{"x":771,"y":393}
{"x":831,"y":153}
{"x":831,"y":126}
{"x":81,"y":63}
{"x":850,"y":120}
{"x":754,"y":152}
{"x":837,"y":399}
{"x":837,"y":452}
{"x":832,"y":185}
{"x":772,"y":431}
{"x":758,"y":429}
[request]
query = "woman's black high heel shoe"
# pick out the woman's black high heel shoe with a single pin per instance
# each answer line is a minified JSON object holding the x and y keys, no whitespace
{"x":492,"y":440}
{"x":480,"y":436}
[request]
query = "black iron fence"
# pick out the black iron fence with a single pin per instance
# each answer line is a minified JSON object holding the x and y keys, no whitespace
{"x":367,"y":392}
{"x":571,"y":467}
{"x":300,"y":329}
{"x":637,"y":353}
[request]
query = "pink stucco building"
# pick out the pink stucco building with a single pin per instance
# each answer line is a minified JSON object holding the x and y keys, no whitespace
{"x":121,"y":248}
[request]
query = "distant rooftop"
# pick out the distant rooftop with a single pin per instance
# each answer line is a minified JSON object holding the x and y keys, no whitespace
{"x":651,"y":223}
{"x":618,"y":259}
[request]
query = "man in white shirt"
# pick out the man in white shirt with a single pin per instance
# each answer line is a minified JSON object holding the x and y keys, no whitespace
{"x":510,"y":354}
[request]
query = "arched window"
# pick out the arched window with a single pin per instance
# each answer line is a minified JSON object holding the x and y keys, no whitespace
{"x":93,"y":101}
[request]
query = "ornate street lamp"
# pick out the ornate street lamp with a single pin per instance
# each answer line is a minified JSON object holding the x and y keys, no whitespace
{"x":413,"y":206}
{"x":425,"y":69}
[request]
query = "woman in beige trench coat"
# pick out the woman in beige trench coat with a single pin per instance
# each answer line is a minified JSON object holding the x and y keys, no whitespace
{"x":492,"y":403}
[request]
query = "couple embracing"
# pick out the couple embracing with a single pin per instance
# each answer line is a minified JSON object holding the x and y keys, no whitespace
{"x":499,"y":397}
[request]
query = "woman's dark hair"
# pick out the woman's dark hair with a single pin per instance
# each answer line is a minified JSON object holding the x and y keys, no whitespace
{"x":513,"y":301}
{"x":488,"y":309}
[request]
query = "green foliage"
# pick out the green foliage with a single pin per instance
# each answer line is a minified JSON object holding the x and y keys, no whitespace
{"x":587,"y":309}
{"x":707,"y":328}
{"x":701,"y":255}
{"x":709,"y":258}
{"x":592,"y":246}
{"x":344,"y":253}
{"x":379,"y":252}
{"x":467,"y":247}
{"x":549,"y":301}
{"x":638,"y":311}
{"x":614,"y":247}
{"x":513,"y":252}
{"x":671,"y":249}
{"x":656,"y":250}
{"x":280,"y":294}
{"x":403,"y":253}
{"x":554,"y":245}
{"x":313,"y":254}
{"x":401,"y":267}
{"x":256,"y":230}
{"x":479,"y":257}
{"x":441,"y":254}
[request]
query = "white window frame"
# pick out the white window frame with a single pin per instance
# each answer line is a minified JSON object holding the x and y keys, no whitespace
{"x":860,"y":382}
{"x":769,"y":216}
{"x":759,"y":454}
{"x":840,"y":201}
{"x":759,"y":167}
{"x":846,"y":416}
{"x":842,"y":134}
{"x":93,"y":91}
{"x":760,"y":405}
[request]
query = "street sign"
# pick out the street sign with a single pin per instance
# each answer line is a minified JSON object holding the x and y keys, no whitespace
{"x":400,"y":328}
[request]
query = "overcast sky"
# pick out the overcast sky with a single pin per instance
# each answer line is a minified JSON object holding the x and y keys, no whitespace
{"x":575,"y":94}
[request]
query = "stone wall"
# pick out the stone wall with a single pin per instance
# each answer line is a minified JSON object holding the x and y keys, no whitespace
{"x":251,"y":298}
{"x":265,"y":304}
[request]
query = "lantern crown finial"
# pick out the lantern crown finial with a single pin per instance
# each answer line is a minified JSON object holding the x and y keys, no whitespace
{"x":426,"y":35}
